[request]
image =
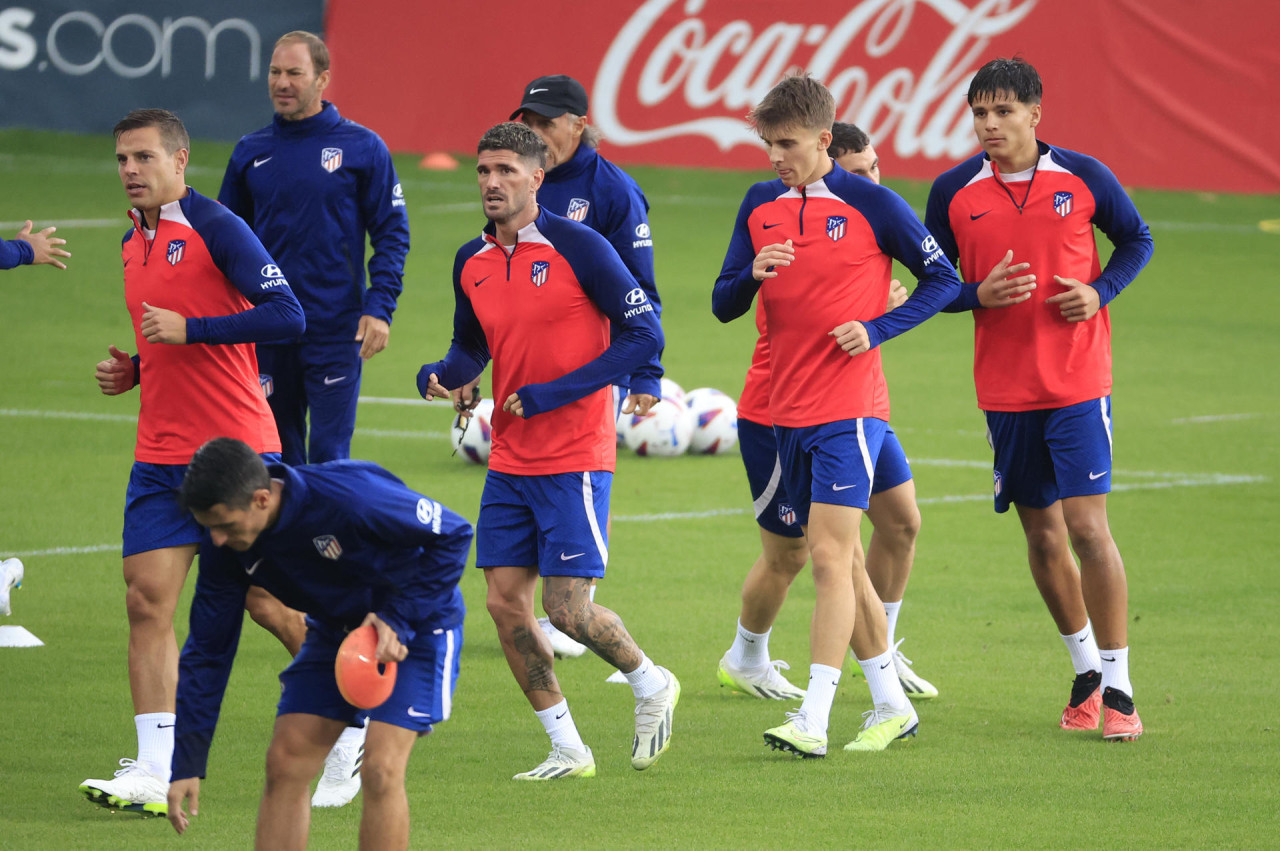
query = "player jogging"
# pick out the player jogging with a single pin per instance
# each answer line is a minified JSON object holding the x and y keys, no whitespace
{"x":200,"y":290}
{"x":1042,"y":364}
{"x":538,"y":292}
{"x":817,"y":244}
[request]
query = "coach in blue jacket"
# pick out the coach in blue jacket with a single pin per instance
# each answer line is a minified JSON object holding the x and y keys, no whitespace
{"x":311,"y":185}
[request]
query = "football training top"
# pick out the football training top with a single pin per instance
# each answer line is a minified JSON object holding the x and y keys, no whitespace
{"x":17,"y":252}
{"x":542,"y":308}
{"x":350,"y":539}
{"x":846,"y":231}
{"x":203,"y":262}
{"x":1027,"y":357}
{"x":311,"y":190}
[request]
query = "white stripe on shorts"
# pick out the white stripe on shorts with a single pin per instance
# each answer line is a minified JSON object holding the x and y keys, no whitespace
{"x":770,"y":489}
{"x":1106,"y":422}
{"x":446,"y":682}
{"x":589,"y":503}
{"x":866,"y":454}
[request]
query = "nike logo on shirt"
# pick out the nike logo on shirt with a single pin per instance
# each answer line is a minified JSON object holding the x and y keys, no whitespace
{"x":774,"y":225}
{"x":328,"y":380}
{"x":250,"y":570}
{"x":974,"y":218}
{"x":262,"y":161}
{"x":564,"y":557}
{"x":842,"y":487}
{"x":482,"y":280}
{"x":1093,"y":477}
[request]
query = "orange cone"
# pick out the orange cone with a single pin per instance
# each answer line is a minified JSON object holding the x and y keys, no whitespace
{"x":365,"y":682}
{"x":438,"y":161}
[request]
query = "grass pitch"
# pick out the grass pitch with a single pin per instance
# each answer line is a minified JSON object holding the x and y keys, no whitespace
{"x":1197,"y":418}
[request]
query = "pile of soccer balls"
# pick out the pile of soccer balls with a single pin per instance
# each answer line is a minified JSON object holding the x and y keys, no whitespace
{"x":701,"y":422}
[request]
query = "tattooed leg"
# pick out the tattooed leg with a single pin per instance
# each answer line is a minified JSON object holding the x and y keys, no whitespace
{"x":568,"y":603}
{"x":510,"y":603}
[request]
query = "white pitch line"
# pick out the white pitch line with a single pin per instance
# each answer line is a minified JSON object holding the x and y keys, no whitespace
{"x":1209,"y":479}
{"x":129,"y":418}
{"x":1214,"y":418}
{"x":121,"y":222}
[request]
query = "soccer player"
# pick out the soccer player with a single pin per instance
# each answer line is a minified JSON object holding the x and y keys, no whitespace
{"x":200,"y":290}
{"x":817,"y":244}
{"x":584,"y":186}
{"x":1042,"y":363}
{"x":312,"y":185}
{"x":895,"y":517}
{"x":32,"y":249}
{"x":532,"y":278}
{"x":350,"y":544}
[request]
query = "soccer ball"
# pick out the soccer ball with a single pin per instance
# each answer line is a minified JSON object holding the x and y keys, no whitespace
{"x":672,"y":391}
{"x":715,"y":421}
{"x":475,"y":442}
{"x":666,"y":430}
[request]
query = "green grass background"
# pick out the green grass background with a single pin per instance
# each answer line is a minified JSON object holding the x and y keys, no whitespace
{"x":1196,"y":336}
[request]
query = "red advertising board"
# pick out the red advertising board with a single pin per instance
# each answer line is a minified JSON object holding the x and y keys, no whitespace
{"x":1167,"y":92}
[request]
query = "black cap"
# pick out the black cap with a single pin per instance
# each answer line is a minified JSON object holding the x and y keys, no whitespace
{"x":552,"y":97}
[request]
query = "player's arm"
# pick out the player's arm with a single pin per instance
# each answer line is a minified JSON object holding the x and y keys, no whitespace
{"x":424,"y":546}
{"x":738,"y":282}
{"x":235,"y":194}
{"x":469,"y":350}
{"x":36,"y":249}
{"x":217,"y":610}
{"x":902,"y":236}
{"x":382,"y":207}
{"x":15,"y":253}
{"x":631,"y":236}
{"x":1116,"y":216}
{"x":610,"y":286}
{"x":276,"y":313}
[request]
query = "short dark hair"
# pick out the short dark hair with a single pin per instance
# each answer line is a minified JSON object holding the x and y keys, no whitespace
{"x":800,"y":101}
{"x":1016,"y":77}
{"x":319,"y":50}
{"x":224,"y":471}
{"x":172,"y":132}
{"x":517,"y":138}
{"x":847,"y":139}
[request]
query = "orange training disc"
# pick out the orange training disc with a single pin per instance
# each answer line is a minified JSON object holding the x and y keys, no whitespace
{"x":364,"y":681}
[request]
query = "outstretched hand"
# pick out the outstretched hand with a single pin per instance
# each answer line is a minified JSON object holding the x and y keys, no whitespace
{"x":45,"y":245}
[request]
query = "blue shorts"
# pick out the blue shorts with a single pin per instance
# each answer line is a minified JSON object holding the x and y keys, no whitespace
{"x":1044,"y":456}
{"x":556,"y":523}
{"x":423,"y":694}
{"x":832,"y":463}
{"x":152,"y":518}
{"x":759,"y":448}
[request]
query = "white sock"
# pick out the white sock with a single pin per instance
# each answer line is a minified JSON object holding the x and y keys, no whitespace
{"x":891,"y":615}
{"x":155,"y":742}
{"x":750,"y":649}
{"x":646,"y":680}
{"x":1083,"y":649}
{"x":558,"y":722}
{"x":352,"y":737}
{"x":819,"y":696}
{"x":1115,"y":670}
{"x":882,"y":679}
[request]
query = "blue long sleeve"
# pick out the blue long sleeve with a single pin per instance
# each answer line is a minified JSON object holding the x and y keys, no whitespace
{"x":17,"y":252}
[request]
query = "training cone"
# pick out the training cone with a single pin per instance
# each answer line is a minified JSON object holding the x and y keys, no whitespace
{"x":438,"y":161}
{"x":365,"y":682}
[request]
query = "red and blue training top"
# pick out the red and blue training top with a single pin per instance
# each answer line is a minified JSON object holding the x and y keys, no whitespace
{"x":203,"y":262}
{"x":846,"y":232}
{"x":1027,"y":357}
{"x":542,"y":309}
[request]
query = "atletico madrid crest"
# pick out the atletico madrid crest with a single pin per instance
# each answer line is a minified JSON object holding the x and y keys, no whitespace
{"x":1062,"y":203}
{"x":578,"y":209}
{"x":331,"y":159}
{"x":836,"y":227}
{"x":268,"y":385}
{"x":328,"y":547}
{"x":786,"y":514}
{"x":177,"y":250}
{"x":538,"y":273}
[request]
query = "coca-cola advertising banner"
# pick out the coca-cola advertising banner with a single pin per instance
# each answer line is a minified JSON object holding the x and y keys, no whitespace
{"x":1169,"y":93}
